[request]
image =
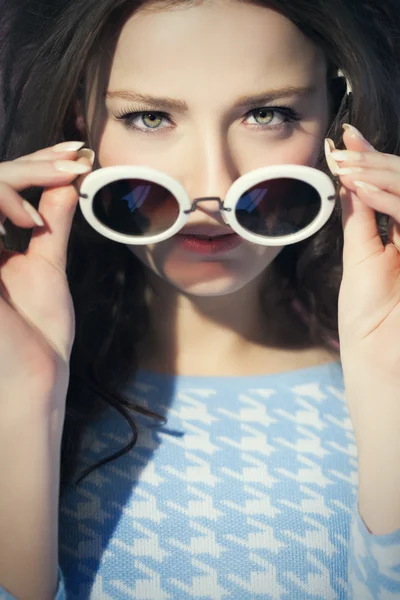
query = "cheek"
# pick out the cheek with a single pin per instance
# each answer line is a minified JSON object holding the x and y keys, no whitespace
{"x":120,"y":146}
{"x":301,"y":147}
{"x":108,"y":153}
{"x":116,"y":147}
{"x":306,"y":149}
{"x":305,"y":145}
{"x":307,"y":153}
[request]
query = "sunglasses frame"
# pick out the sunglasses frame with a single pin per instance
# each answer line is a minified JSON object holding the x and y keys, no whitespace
{"x":103,"y":176}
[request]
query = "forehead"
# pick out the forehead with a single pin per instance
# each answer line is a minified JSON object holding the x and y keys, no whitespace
{"x":215,"y":44}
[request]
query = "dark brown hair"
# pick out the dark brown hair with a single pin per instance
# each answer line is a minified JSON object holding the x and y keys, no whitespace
{"x":50,"y":47}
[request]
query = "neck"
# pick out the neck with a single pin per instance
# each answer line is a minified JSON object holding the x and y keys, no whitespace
{"x":226,"y":335}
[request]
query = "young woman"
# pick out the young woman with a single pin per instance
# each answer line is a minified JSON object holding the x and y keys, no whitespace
{"x":264,"y":404}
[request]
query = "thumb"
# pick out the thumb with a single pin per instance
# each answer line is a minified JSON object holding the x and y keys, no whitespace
{"x":359,"y":223}
{"x":57,"y":207}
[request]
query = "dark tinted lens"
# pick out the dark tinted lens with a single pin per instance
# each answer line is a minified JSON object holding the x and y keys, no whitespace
{"x":278,"y":207}
{"x":136,"y":207}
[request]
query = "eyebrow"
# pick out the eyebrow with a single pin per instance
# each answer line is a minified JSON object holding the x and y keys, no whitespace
{"x":244,"y":101}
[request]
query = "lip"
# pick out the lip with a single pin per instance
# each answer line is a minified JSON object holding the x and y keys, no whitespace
{"x":208,"y":230}
{"x":210,"y":245}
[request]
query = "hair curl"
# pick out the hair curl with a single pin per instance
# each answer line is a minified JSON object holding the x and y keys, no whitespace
{"x":42,"y":77}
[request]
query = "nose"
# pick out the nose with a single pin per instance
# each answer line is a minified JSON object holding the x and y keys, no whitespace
{"x":210,"y":170}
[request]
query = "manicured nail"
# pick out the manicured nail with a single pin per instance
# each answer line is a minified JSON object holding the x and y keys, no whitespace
{"x":2,"y":230}
{"x":350,"y":170}
{"x":348,"y":155}
{"x":356,"y":134}
{"x":86,"y":153}
{"x":68,"y":166}
{"x":32,"y":212}
{"x":68,"y":146}
{"x":329,"y":147}
{"x":366,"y":186}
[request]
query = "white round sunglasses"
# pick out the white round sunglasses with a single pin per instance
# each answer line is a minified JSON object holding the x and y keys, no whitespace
{"x":272,"y":206}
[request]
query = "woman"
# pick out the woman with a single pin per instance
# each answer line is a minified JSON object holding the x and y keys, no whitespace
{"x":250,"y":428}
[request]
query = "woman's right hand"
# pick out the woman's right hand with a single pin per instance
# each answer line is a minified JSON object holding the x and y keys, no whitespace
{"x":37,"y":320}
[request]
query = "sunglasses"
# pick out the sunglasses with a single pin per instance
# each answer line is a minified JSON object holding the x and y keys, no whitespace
{"x":270,"y":206}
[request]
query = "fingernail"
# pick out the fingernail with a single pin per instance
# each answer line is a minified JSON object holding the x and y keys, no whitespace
{"x":356,"y":133}
{"x":350,"y":170}
{"x":366,"y":186}
{"x":68,"y":166}
{"x":329,"y":147}
{"x":349,"y":155}
{"x":68,"y":146}
{"x":2,"y":230}
{"x":32,"y":212}
{"x":86,"y":153}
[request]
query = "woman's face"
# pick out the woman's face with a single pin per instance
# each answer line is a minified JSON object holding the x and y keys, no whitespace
{"x":200,"y":72}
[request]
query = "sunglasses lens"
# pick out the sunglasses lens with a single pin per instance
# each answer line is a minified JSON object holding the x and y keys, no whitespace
{"x":278,"y":207}
{"x":136,"y":207}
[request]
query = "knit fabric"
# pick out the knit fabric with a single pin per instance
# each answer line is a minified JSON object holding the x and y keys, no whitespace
{"x":248,"y":491}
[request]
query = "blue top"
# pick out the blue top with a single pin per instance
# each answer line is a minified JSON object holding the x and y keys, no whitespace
{"x":249,"y":491}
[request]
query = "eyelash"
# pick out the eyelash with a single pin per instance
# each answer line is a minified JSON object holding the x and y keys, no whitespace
{"x":291,"y":116}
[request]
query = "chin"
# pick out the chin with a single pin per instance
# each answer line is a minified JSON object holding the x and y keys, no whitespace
{"x":221,"y":287}
{"x":205,"y":278}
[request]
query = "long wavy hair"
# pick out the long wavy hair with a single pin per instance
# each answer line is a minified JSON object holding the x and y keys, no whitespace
{"x":50,"y":46}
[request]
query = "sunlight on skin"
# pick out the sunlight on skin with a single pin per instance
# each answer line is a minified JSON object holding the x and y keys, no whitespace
{"x":208,"y":146}
{"x":209,"y":305}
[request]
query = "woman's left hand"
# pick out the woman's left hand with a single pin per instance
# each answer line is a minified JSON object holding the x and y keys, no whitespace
{"x":369,"y":326}
{"x":369,"y":298}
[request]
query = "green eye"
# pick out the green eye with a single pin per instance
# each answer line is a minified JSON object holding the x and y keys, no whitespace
{"x":263,"y":116}
{"x":152,"y":120}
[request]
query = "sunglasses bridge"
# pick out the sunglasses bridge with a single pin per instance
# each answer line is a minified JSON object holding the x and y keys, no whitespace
{"x":197,"y":200}
{"x":194,"y":205}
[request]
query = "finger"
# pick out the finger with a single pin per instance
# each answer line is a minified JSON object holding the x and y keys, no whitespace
{"x":354,"y":140}
{"x":65,"y":149}
{"x":44,"y":173}
{"x":57,"y":207}
{"x":360,"y":230}
{"x":394,"y":233}
{"x":20,"y":212}
{"x":366,"y":160}
{"x":387,"y":181}
{"x":12,"y":206}
{"x":378,"y":199}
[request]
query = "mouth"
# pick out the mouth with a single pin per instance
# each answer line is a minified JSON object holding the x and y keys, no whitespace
{"x":206,"y":231}
{"x":208,"y":243}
